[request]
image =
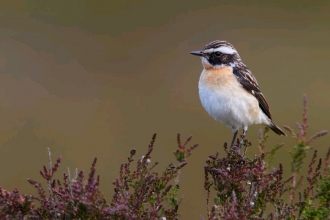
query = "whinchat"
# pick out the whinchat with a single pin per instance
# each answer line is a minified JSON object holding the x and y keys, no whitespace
{"x":228,"y":90}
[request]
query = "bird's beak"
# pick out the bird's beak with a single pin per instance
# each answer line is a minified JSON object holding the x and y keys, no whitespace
{"x":197,"y":53}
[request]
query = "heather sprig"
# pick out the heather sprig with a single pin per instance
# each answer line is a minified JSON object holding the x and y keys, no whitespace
{"x":246,"y":188}
{"x":300,"y":150}
{"x":141,"y":193}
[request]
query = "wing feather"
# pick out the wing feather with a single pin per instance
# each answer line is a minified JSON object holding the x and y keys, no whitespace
{"x":249,"y":82}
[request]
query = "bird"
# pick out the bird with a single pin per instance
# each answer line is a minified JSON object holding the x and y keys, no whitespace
{"x":229,"y":92}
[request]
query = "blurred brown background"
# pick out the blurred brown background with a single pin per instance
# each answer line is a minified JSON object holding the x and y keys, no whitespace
{"x":98,"y":78}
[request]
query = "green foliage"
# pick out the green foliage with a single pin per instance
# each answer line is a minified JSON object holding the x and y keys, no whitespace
{"x":318,"y":207}
{"x":172,"y":197}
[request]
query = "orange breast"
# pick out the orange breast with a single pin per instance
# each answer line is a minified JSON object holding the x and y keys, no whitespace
{"x":219,"y":77}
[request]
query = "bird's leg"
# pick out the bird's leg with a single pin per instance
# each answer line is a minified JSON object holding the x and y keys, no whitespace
{"x":244,"y":131}
{"x":234,"y":138}
{"x":243,"y":136}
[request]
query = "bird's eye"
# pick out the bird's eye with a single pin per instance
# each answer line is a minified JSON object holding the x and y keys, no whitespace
{"x":218,"y":53}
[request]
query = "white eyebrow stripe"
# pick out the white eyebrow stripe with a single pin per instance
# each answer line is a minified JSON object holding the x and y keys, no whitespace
{"x":225,"y":50}
{"x":222,"y":49}
{"x":208,"y":50}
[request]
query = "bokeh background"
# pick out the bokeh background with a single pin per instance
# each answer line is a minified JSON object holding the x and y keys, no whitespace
{"x":98,"y":78}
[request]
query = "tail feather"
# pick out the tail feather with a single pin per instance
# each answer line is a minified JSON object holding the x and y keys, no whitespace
{"x":276,"y":129}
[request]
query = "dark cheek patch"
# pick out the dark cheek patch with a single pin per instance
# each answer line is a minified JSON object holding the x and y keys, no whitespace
{"x":225,"y":58}
{"x":213,"y":61}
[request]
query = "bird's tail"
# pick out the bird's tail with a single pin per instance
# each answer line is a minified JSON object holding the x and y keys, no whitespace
{"x":276,"y":129}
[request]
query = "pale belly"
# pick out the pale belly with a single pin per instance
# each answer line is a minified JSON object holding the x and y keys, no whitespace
{"x":231,"y":105}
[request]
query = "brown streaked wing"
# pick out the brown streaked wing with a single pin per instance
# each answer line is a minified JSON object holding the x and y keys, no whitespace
{"x":263,"y":104}
{"x":249,"y":82}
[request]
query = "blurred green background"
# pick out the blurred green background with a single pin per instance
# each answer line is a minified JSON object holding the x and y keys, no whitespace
{"x":98,"y":78}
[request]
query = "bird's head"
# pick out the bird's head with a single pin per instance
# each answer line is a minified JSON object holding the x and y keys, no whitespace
{"x":218,"y":54}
